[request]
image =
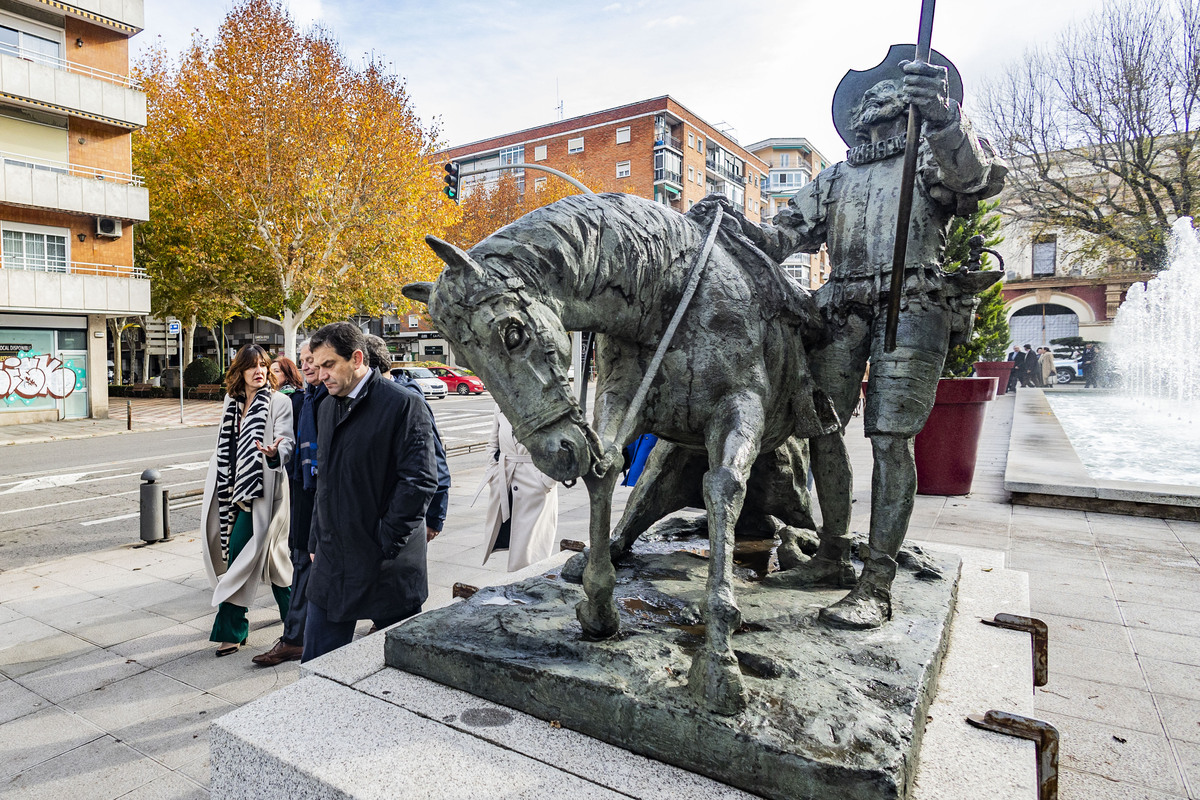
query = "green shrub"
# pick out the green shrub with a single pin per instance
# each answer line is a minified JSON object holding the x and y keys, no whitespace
{"x":200,"y":372}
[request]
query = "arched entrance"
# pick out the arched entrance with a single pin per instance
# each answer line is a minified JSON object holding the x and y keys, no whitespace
{"x":1041,"y":323}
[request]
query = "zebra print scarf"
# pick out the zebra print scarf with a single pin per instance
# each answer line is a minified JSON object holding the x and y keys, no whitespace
{"x":239,"y":464}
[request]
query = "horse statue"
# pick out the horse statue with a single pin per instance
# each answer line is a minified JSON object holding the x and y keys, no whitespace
{"x":733,"y":393}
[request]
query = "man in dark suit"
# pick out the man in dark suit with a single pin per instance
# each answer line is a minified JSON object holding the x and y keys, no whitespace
{"x":1016,"y":357}
{"x":375,"y":479}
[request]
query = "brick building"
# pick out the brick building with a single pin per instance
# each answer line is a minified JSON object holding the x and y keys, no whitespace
{"x":793,"y":162}
{"x":68,"y":201}
{"x":655,"y":148}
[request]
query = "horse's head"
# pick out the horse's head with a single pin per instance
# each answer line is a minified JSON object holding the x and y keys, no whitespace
{"x":515,"y":341}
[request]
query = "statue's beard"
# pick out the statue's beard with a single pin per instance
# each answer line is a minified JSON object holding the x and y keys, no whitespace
{"x":874,"y":114}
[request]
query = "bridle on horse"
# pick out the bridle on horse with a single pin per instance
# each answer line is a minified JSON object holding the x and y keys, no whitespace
{"x":602,"y":456}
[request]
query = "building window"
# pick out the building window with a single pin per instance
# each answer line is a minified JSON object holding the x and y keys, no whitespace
{"x":1045,"y":256}
{"x":692,"y":140}
{"x":512,"y":155}
{"x":575,"y":145}
{"x":413,"y":320}
{"x":785,"y":160}
{"x":539,"y":153}
{"x":623,"y":135}
{"x":539,"y":184}
{"x":32,"y":42}
{"x":700,"y":145}
{"x":692,"y":174}
{"x":622,"y":169}
{"x":30,"y":248}
{"x":690,"y":204}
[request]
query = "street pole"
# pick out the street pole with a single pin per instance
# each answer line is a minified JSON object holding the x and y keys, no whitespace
{"x":539,"y":167}
{"x":180,"y":346}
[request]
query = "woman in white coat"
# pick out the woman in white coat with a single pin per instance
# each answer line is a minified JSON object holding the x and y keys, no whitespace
{"x":523,"y":501}
{"x":244,"y":515}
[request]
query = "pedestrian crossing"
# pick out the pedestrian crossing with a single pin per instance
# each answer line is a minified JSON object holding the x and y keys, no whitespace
{"x":458,"y":427}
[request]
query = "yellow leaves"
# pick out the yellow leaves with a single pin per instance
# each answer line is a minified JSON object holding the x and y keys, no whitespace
{"x":296,"y":172}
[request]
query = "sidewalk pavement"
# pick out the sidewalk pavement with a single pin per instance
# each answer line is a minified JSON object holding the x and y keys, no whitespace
{"x":148,"y":415}
{"x":109,"y":683}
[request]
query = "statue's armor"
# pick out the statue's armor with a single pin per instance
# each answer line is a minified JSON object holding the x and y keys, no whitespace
{"x":852,"y":208}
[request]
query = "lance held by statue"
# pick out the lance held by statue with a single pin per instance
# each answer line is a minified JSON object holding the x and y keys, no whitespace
{"x":852,"y":209}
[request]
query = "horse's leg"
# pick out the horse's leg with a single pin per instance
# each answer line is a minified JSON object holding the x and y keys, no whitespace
{"x":598,"y":613}
{"x":670,"y":481}
{"x":778,"y":489}
{"x":715,"y":679}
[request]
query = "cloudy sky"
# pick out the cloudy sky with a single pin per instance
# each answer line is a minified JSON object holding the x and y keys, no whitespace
{"x":761,"y":67}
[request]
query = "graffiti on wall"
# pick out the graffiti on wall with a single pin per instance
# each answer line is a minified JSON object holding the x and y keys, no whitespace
{"x":31,"y":376}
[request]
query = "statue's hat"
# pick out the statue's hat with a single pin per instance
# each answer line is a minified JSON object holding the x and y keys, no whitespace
{"x":856,"y":82}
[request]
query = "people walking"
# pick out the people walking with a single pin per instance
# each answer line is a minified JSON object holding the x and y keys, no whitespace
{"x":302,"y":489}
{"x":1013,"y":374}
{"x":244,"y":516}
{"x":380,"y":360}
{"x":1046,"y":365}
{"x":1027,"y":366}
{"x":375,"y":478}
{"x":523,"y":501}
{"x":1090,"y":364}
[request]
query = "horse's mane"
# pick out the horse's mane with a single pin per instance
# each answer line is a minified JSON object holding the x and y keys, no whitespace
{"x":603,"y":240}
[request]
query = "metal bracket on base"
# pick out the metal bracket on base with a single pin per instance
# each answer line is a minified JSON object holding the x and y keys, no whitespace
{"x":1041,"y":641}
{"x":1042,"y":734}
{"x":571,"y":544}
{"x":463,"y":590}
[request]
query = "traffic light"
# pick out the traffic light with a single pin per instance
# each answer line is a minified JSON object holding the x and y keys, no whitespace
{"x":451,"y":179}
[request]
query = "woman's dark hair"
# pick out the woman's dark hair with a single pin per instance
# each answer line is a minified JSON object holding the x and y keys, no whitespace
{"x":248,"y":357}
{"x":343,"y":337}
{"x":291,"y":373}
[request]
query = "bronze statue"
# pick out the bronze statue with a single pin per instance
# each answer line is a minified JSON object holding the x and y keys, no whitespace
{"x":851,"y":208}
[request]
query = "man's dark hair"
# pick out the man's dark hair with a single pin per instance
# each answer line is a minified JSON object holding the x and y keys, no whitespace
{"x":1027,"y":347}
{"x":378,"y":355}
{"x":343,"y":337}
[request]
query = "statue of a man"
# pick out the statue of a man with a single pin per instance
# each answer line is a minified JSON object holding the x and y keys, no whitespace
{"x":852,"y":208}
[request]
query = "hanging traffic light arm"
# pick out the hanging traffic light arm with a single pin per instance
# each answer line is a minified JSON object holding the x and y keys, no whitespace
{"x":551,"y":170}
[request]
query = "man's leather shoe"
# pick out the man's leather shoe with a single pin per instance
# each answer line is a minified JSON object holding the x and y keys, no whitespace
{"x":281,"y":652}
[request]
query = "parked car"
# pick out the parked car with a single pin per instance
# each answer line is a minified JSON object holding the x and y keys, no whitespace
{"x":1067,"y":368}
{"x":430,"y":385}
{"x":458,"y":381}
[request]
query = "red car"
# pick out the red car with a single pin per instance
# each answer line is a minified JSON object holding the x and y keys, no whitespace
{"x":458,"y":381}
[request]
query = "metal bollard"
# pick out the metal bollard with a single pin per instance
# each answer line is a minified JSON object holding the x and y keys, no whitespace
{"x":128,"y":415}
{"x":151,"y":506}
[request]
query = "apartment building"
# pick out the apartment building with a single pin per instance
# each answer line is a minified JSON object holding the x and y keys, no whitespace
{"x":655,"y":148}
{"x":68,"y":202}
{"x":792,"y":162}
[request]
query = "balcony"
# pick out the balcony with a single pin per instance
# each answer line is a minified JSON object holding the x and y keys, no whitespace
{"x":126,"y":16}
{"x":711,"y":165}
{"x":666,"y":140}
{"x":76,"y":288}
{"x":59,"y":186}
{"x":668,"y":175}
{"x":71,"y":89}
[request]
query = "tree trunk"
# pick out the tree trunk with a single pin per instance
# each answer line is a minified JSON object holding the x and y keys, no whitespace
{"x":189,"y":341}
{"x":117,"y":323}
{"x":291,"y":324}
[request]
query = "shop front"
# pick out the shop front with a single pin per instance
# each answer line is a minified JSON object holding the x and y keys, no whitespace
{"x":43,"y":371}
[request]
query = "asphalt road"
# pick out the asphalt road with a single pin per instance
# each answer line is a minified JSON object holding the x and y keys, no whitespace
{"x":81,"y":495}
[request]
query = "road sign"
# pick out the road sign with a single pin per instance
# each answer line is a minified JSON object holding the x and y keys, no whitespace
{"x":174,"y":328}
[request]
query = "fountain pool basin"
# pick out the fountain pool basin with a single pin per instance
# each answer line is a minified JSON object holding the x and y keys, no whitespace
{"x":1132,"y":439}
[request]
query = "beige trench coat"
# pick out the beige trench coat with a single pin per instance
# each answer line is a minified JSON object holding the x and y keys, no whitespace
{"x":1046,"y":362}
{"x":265,"y":558}
{"x":535,"y":499}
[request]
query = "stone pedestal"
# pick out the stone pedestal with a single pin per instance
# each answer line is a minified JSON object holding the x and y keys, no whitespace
{"x":353,"y":727}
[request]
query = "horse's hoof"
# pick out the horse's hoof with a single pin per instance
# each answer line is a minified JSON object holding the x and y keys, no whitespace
{"x":715,"y":682}
{"x":864,"y":608}
{"x":572,"y":568}
{"x":598,"y":621}
{"x":813,"y":572}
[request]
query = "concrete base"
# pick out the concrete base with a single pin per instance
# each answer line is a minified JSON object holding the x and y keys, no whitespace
{"x":355,"y":728}
{"x":1044,"y":470}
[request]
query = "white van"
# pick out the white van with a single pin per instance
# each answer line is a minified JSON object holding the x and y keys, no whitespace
{"x":430,"y":385}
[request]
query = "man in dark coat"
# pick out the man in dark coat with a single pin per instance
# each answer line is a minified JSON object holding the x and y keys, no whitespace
{"x":302,"y":485}
{"x":375,"y":480}
{"x":1026,"y":360}
{"x":1016,"y":358}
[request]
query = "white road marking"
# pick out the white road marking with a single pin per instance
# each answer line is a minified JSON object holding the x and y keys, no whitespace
{"x":468,"y":426}
{"x":90,"y":467}
{"x":46,"y":482}
{"x":120,"y":517}
{"x":86,"y":499}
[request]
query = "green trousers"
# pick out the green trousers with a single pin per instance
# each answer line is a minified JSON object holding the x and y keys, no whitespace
{"x":230,"y":624}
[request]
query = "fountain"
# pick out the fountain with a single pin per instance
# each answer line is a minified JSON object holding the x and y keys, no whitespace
{"x":1133,"y":450}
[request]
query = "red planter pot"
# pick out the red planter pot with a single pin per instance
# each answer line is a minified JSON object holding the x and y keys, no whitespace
{"x":1000,"y":370}
{"x":946,"y":447}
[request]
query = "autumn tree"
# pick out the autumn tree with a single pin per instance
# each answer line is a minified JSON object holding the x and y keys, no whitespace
{"x":1101,"y":127}
{"x":300,"y":185}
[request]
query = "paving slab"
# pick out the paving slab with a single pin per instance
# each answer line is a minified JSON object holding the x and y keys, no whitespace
{"x":102,"y":769}
{"x":1116,"y":753}
{"x":122,"y":703}
{"x":80,"y":674}
{"x":1100,"y":702}
{"x":33,"y":738}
